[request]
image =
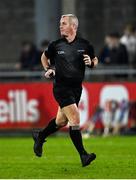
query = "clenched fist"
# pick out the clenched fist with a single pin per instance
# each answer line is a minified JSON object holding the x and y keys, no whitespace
{"x":50,"y":73}
{"x":87,"y":59}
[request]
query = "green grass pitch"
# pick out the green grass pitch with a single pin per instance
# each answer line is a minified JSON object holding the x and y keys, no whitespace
{"x":116,"y":158}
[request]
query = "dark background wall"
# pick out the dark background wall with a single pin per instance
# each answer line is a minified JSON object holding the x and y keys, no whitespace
{"x":19,"y":21}
{"x":99,"y":17}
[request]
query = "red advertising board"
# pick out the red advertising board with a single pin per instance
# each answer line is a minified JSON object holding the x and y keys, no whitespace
{"x":32,"y":105}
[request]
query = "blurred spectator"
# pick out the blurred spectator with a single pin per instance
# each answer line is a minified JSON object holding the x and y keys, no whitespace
{"x":132,"y":120}
{"x":113,"y":116}
{"x":104,"y":56}
{"x":113,"y":53}
{"x":129,"y":40}
{"x":29,"y":57}
{"x":120,"y":119}
{"x":107,"y":117}
{"x":44,"y":44}
{"x":91,"y":123}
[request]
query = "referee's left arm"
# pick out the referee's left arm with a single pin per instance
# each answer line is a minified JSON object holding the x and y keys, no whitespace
{"x":90,"y":59}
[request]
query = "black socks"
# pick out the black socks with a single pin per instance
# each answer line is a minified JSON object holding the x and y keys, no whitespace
{"x":49,"y":129}
{"x":74,"y":132}
{"x":76,"y":137}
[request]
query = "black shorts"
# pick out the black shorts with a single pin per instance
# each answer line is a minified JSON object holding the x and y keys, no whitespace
{"x":67,"y":95}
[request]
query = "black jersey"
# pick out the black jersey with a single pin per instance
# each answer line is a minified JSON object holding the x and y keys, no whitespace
{"x":68,"y":59}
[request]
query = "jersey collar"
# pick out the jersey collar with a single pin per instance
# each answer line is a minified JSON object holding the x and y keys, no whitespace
{"x":71,"y":41}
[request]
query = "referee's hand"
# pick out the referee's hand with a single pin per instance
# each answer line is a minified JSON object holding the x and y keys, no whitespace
{"x":87,"y":59}
{"x":50,"y":73}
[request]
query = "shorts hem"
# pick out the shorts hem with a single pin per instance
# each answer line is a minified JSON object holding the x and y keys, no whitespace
{"x":66,"y":104}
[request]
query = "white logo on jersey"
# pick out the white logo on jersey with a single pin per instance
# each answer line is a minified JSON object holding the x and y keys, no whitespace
{"x":60,"y":52}
{"x":80,"y":50}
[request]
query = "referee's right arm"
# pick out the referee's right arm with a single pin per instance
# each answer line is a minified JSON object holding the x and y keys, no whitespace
{"x":45,"y":62}
{"x":49,"y":72}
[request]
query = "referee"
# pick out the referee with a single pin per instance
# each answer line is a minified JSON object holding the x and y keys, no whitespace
{"x":66,"y":59}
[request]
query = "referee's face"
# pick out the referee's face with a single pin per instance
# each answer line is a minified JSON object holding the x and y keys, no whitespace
{"x":65,"y":27}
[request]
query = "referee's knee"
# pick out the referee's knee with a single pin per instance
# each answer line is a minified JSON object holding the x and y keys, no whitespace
{"x":75,"y":121}
{"x":61,"y":123}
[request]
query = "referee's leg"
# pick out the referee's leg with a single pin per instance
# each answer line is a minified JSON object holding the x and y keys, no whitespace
{"x":72,"y":114}
{"x":53,"y":126}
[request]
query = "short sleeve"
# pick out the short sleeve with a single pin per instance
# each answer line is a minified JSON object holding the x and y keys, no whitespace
{"x":90,"y":51}
{"x":50,"y":52}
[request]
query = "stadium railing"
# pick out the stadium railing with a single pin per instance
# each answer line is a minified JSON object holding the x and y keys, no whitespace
{"x":101,"y":73}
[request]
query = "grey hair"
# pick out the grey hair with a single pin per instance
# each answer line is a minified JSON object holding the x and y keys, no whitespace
{"x":72,"y":18}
